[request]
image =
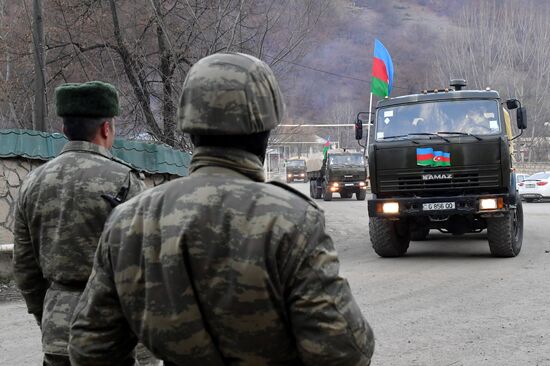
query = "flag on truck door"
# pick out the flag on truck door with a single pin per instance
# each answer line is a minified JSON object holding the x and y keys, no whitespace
{"x":426,"y":156}
{"x":382,"y":71}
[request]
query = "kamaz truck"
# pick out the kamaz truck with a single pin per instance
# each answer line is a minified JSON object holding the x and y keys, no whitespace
{"x":295,"y":170}
{"x":442,"y":160}
{"x":342,"y":172}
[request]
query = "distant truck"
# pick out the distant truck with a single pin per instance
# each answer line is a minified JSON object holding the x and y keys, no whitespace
{"x":442,"y":160}
{"x":341,"y":172}
{"x":295,"y":170}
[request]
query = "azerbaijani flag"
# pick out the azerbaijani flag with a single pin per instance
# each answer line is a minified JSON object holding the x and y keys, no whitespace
{"x":382,"y":71}
{"x":441,"y":158}
{"x":326,"y":148}
{"x":426,"y":156}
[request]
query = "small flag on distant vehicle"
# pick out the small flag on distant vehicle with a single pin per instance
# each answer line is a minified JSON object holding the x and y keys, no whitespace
{"x":326,"y":148}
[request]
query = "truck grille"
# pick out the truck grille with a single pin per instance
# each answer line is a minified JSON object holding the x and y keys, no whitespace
{"x":410,"y":180}
{"x":352,"y":178}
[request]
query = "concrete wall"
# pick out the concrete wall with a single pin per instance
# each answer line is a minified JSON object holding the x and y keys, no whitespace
{"x":12,"y":172}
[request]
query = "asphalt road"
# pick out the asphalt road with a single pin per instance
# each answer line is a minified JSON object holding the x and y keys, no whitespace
{"x":447,"y":302}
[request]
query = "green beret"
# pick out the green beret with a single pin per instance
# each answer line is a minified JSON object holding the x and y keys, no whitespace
{"x":91,"y":99}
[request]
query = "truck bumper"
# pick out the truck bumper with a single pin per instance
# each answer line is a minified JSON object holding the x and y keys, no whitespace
{"x":336,"y":187}
{"x":296,"y":176}
{"x":444,"y":206}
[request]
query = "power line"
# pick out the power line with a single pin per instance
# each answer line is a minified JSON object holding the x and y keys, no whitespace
{"x":342,"y":76}
{"x":323,"y":125}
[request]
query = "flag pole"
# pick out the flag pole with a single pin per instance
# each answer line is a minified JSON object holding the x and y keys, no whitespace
{"x":369,"y":124}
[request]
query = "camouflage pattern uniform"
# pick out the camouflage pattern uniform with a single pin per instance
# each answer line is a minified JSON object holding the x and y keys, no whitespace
{"x":58,"y":220}
{"x":220,"y":268}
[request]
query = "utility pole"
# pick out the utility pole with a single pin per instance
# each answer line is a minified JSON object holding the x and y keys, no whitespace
{"x":39,"y":108}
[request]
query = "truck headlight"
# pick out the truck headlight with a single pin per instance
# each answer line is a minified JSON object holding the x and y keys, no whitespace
{"x":302,"y":175}
{"x":290,"y":175}
{"x":488,"y":204}
{"x":491,"y":203}
{"x":390,"y":207}
{"x":335,"y":184}
{"x":362,"y":184}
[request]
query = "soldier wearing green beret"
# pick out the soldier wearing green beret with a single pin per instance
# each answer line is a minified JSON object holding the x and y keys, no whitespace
{"x":221,"y":268}
{"x":60,"y":212}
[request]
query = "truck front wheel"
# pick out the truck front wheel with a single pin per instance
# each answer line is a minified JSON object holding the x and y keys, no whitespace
{"x":314,"y":192}
{"x":361,"y":195}
{"x":312,"y":188}
{"x":505,"y":233}
{"x":388,"y":238}
{"x":327,"y":194}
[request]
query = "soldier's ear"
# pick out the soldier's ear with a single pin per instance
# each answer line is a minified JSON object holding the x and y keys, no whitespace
{"x":105,"y":129}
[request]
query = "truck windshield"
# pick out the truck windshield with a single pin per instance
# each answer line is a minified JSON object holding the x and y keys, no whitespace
{"x":347,"y":159}
{"x":460,"y":117}
{"x":296,"y":163}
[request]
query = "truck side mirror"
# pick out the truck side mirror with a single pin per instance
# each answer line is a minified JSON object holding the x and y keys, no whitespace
{"x":358,"y":129}
{"x":512,"y":104}
{"x":521,"y":115}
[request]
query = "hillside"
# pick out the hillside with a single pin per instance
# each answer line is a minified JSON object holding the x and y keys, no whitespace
{"x":408,"y":28}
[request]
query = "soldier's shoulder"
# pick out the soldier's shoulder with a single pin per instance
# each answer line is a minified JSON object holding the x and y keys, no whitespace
{"x":122,"y":163}
{"x":294,"y":193}
{"x":37,"y":173}
{"x":128,"y":167}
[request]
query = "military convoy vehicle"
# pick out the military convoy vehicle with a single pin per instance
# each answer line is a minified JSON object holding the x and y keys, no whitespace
{"x":442,"y":160}
{"x":295,"y":170}
{"x":340,"y":171}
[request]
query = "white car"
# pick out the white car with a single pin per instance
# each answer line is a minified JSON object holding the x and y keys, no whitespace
{"x":520,"y":177}
{"x":535,"y":187}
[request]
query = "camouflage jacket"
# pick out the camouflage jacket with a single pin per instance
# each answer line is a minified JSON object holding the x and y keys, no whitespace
{"x":59,"y":218}
{"x":219,"y":268}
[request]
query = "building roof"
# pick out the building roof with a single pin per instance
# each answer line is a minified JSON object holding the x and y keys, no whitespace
{"x":147,"y":157}
{"x":295,"y":135}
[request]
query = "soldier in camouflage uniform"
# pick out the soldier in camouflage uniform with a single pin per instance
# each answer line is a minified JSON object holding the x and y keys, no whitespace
{"x":60,"y":212}
{"x":221,"y":268}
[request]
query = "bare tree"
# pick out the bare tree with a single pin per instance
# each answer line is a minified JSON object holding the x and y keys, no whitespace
{"x":149,"y":45}
{"x":504,"y":45}
{"x":16,"y":76}
{"x":343,"y":113}
{"x":39,"y":110}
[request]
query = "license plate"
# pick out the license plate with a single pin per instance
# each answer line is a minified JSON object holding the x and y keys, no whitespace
{"x":348,"y":184}
{"x":529,"y":186}
{"x":438,"y":206}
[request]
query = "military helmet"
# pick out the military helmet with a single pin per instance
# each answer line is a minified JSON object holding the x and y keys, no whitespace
{"x":230,"y":94}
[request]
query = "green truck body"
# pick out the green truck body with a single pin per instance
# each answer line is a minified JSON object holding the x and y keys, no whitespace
{"x":442,"y":160}
{"x":342,"y":172}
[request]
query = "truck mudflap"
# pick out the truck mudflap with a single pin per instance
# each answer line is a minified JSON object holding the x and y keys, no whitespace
{"x":486,"y":205}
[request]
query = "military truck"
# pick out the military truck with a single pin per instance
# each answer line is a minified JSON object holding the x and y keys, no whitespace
{"x":441,"y":160}
{"x":295,"y":170}
{"x":340,"y":171}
